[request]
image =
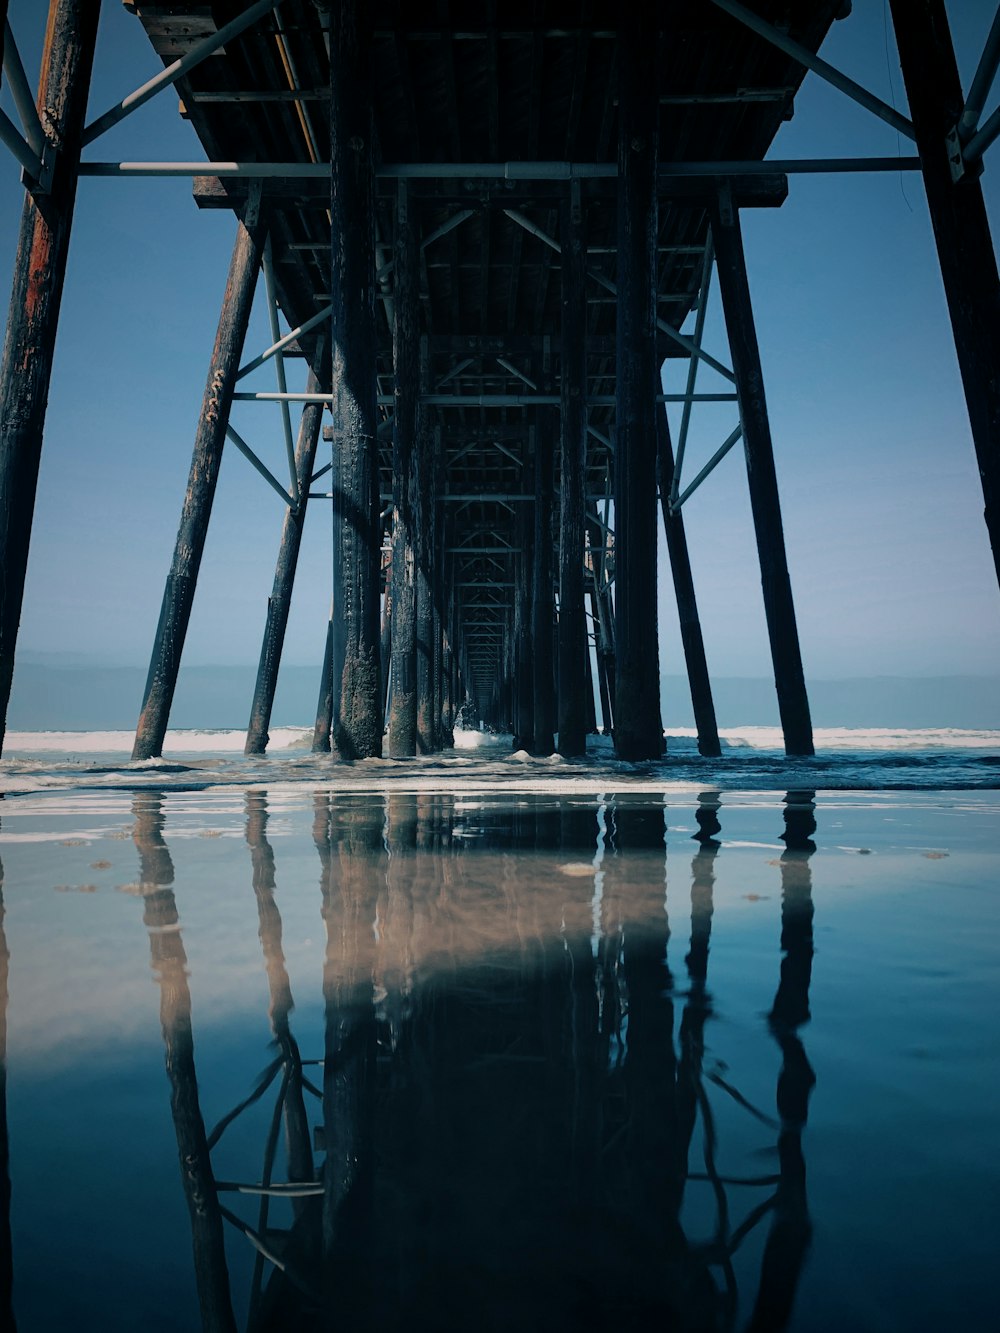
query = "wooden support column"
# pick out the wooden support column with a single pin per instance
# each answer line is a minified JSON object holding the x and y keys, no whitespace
{"x":39,"y":272}
{"x":206,"y":457}
{"x":779,"y":608}
{"x":357,"y":685}
{"x":279,"y":603}
{"x":572,"y":719}
{"x":687,"y":605}
{"x":588,"y":698}
{"x":524,"y":699}
{"x":638,"y":728}
{"x":324,"y":705}
{"x":405,"y":433}
{"x":600,"y":655}
{"x":961,"y":231}
{"x":543,"y":703}
{"x":425,"y":590}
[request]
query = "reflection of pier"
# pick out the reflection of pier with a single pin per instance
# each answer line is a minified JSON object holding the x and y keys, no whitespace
{"x":514,"y":1111}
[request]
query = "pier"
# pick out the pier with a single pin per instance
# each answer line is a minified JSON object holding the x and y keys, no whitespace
{"x":485,"y":227}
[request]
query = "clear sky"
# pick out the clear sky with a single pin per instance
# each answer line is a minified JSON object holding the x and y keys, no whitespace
{"x":882,"y":504}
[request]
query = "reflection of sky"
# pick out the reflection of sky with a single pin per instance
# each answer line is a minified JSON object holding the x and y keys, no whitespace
{"x":882,"y":507}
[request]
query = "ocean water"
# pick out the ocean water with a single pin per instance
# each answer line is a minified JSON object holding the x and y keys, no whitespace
{"x":490,"y":1042}
{"x":753,"y":758}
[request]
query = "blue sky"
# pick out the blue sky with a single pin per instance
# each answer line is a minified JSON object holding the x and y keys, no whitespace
{"x":883,"y":510}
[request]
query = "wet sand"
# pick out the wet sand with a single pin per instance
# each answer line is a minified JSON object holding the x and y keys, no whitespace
{"x":548,"y":1060}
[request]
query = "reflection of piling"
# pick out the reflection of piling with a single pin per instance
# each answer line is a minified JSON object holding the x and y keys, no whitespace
{"x":791,"y":1231}
{"x":169,"y":965}
{"x":6,"y":1251}
{"x":349,"y":839}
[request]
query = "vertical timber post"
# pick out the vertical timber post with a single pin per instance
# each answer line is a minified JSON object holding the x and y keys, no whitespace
{"x":961,"y":231}
{"x":279,"y":603}
{"x":425,"y":588}
{"x":573,"y":650}
{"x":687,"y":605}
{"x":206,"y":458}
{"x":779,"y":608}
{"x":638,"y":728}
{"x":543,"y":694}
{"x":324,"y":705}
{"x":357,"y":669}
{"x":405,"y":433}
{"x":523,"y":679}
{"x":39,"y":273}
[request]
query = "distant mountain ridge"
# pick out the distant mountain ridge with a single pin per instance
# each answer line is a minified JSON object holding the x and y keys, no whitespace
{"x":81,"y":697}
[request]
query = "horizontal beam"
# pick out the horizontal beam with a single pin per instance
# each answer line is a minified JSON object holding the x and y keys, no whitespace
{"x":501,"y":171}
{"x":483,"y":399}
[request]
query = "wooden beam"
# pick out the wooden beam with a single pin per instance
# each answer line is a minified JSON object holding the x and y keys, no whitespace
{"x":357,"y":688}
{"x":638,"y":728}
{"x":36,"y":297}
{"x":206,"y":457}
{"x":779,"y":608}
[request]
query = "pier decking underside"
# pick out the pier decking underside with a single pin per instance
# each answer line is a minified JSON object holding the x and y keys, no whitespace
{"x":460,"y":90}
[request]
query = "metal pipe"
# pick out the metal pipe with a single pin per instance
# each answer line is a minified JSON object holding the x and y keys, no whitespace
{"x":819,"y":66}
{"x":710,"y":466}
{"x":20,"y":91}
{"x":982,"y":81}
{"x":262,"y":468}
{"x":22,"y":150}
{"x":456,"y":370}
{"x":482,"y":399}
{"x":279,"y":367}
{"x":282,"y":343}
{"x":692,"y":375}
{"x":177,"y":70}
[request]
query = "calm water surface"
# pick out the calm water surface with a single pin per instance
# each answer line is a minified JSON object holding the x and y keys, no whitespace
{"x":300,"y":1059}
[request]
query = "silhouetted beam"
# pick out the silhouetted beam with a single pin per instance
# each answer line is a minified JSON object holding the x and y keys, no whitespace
{"x":961,"y":232}
{"x":572,"y":714}
{"x":357,"y":689}
{"x":638,"y":729}
{"x":324,"y":705}
{"x":687,"y":604}
{"x":524,"y":729}
{"x":39,"y":272}
{"x":426,"y":568}
{"x":178,"y":595}
{"x":542,"y":604}
{"x":779,"y":608}
{"x":279,"y":603}
{"x":402,"y":718}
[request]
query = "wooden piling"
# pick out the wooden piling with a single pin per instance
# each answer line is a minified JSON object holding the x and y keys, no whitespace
{"x":206,"y":457}
{"x":357,"y":721}
{"x":638,"y":728}
{"x":405,"y":432}
{"x":573,"y":653}
{"x":779,"y":608}
{"x":961,"y":231}
{"x":687,"y":604}
{"x":524,"y":726}
{"x":543,"y":693}
{"x":39,"y":273}
{"x":599,"y":657}
{"x":279,"y":603}
{"x":323,"y":727}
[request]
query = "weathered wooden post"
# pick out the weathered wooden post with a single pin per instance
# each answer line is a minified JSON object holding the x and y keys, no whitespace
{"x":426,"y":505}
{"x":206,"y":457}
{"x":779,"y":608}
{"x":357,"y":687}
{"x":573,"y":652}
{"x":543,"y":694}
{"x":961,"y":230}
{"x":405,"y":435}
{"x":687,"y":605}
{"x":524,"y":681}
{"x":39,"y":273}
{"x":638,"y":728}
{"x":279,"y":603}
{"x":323,"y":726}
